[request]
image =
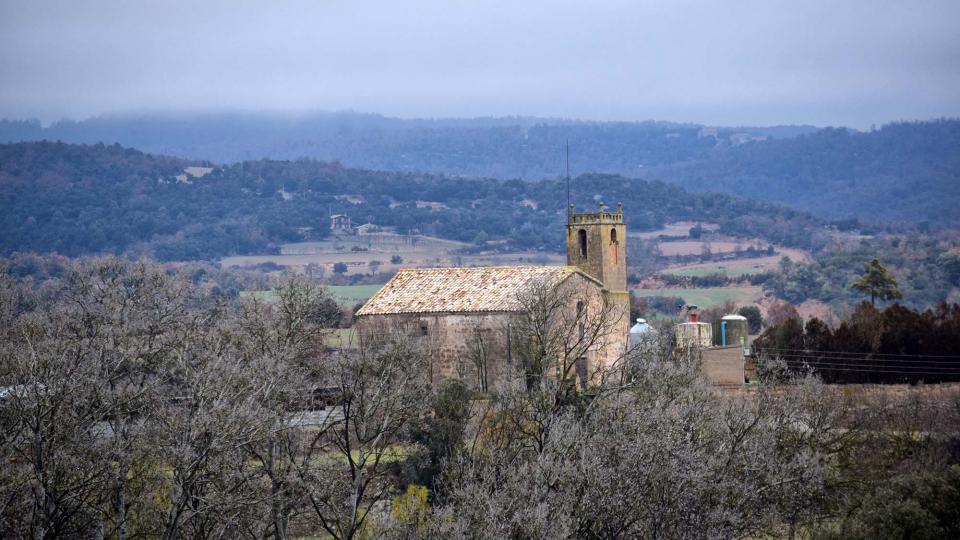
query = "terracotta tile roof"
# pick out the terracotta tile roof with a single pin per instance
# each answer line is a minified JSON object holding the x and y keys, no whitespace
{"x":436,"y":290}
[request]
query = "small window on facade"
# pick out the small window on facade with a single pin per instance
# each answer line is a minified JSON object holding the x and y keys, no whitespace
{"x":423,"y":329}
{"x":582,"y":237}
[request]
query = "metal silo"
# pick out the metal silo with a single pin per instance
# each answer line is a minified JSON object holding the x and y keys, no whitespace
{"x":734,"y":330}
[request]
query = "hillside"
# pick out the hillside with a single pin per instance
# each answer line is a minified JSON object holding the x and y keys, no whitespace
{"x":839,"y":174}
{"x":834,"y":173}
{"x":77,"y":199}
{"x":528,"y":148}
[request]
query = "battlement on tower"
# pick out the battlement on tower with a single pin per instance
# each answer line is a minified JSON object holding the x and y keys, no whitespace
{"x":595,"y":218}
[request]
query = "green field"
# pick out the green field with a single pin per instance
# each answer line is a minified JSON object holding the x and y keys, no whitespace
{"x":342,"y":338}
{"x":376,"y":243}
{"x":352,"y":294}
{"x":324,"y":246}
{"x":728,"y":271}
{"x":347,"y":295}
{"x":708,"y":297}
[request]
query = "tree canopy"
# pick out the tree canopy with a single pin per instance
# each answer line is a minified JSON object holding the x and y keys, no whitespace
{"x":877,"y":283}
{"x":75,"y":200}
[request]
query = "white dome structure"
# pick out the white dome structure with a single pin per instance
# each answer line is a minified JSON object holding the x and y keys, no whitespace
{"x":641,"y":332}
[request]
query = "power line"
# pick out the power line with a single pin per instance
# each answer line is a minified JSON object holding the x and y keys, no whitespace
{"x":867,"y":358}
{"x":874,"y":366}
{"x":861,"y":353}
{"x":946,"y":371}
{"x":885,"y":372}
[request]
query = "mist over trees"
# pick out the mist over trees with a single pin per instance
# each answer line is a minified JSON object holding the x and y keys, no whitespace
{"x":528,"y":148}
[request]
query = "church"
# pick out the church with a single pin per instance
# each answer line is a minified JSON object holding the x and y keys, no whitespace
{"x":466,"y":319}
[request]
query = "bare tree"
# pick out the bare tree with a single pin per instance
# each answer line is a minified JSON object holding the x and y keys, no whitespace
{"x":132,"y":314}
{"x":51,"y":441}
{"x":131,"y":405}
{"x":345,"y":469}
{"x":201,"y":430}
{"x":479,"y":354}
{"x":86,"y":370}
{"x":282,"y":343}
{"x":664,"y":457}
{"x":559,"y":326}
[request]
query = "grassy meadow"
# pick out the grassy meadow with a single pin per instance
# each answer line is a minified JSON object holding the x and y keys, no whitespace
{"x":414,"y":251}
{"x":723,"y":269}
{"x":351,"y":294}
{"x":708,"y":297}
{"x":346,"y":295}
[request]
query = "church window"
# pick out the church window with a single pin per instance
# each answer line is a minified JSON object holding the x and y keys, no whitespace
{"x":582,"y":237}
{"x":614,"y":251}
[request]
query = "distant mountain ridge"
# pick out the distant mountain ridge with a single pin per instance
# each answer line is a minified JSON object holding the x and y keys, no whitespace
{"x":905,"y":171}
{"x":528,"y":148}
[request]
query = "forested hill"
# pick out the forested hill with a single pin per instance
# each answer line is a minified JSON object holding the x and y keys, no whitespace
{"x":78,"y":199}
{"x":514,"y":147}
{"x":904,"y":171}
{"x":834,"y":173}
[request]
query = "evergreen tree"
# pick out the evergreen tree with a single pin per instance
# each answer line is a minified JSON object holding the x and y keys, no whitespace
{"x":877,"y":282}
{"x":754,"y":317}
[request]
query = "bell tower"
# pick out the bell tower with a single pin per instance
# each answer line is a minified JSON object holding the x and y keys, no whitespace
{"x":597,"y":245}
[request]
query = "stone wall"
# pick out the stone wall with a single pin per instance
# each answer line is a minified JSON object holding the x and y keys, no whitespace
{"x":473,"y":347}
{"x":723,"y":366}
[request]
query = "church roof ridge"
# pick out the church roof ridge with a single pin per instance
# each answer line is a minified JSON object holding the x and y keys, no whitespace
{"x":461,"y":289}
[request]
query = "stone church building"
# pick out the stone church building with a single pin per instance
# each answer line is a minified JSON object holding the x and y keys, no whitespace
{"x":466,"y":319}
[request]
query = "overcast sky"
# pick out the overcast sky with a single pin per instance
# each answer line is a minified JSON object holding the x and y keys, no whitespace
{"x":836,"y":62}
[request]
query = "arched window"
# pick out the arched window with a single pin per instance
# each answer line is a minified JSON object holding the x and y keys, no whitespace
{"x":582,"y":237}
{"x":614,"y":251}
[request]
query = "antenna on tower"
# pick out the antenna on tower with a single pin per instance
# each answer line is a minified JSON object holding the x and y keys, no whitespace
{"x":568,"y":179}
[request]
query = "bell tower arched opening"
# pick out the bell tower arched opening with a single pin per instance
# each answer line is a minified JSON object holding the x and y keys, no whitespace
{"x":614,"y":247}
{"x":596,"y":245}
